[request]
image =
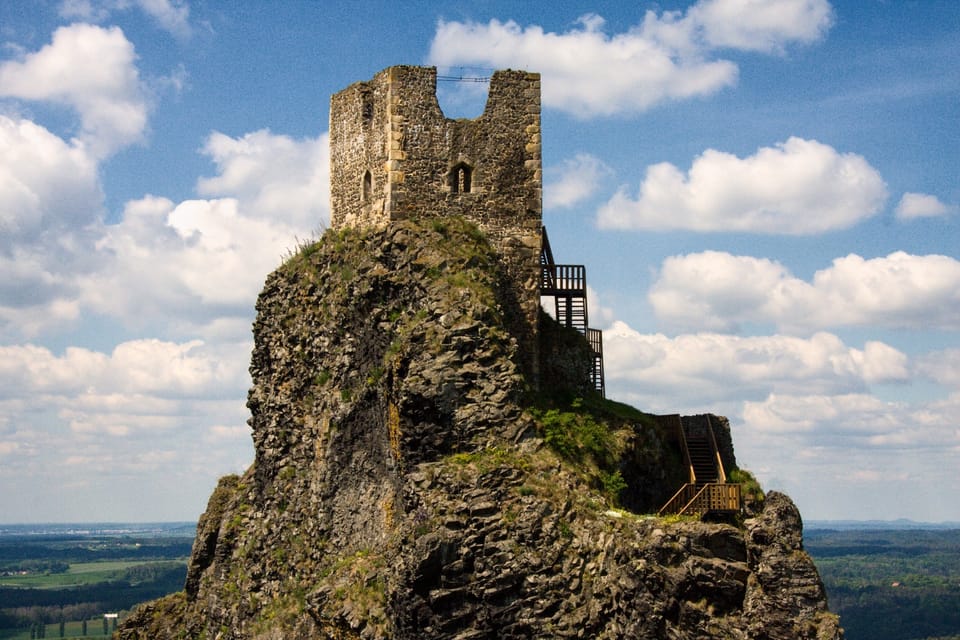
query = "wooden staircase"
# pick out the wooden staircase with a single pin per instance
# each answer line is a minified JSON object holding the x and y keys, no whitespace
{"x":567,"y":285}
{"x":707,"y":491}
{"x":704,"y":459}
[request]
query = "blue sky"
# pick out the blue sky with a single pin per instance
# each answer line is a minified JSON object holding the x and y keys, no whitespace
{"x":765,"y":194}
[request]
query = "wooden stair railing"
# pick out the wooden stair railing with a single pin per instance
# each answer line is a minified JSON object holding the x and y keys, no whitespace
{"x":680,"y":499}
{"x":698,"y":500}
{"x":708,"y":490}
{"x":718,"y":460}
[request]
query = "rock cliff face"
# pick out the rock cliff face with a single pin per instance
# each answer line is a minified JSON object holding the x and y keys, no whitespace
{"x":408,"y":483}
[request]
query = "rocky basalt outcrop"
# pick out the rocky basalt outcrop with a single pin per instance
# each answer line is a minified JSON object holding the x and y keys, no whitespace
{"x":408,"y":482}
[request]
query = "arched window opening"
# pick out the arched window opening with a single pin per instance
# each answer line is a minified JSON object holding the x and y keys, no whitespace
{"x":367,"y":188}
{"x":460,"y":178}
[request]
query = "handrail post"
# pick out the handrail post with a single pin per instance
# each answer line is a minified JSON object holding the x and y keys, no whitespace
{"x":722,"y":475}
{"x":685,"y":450}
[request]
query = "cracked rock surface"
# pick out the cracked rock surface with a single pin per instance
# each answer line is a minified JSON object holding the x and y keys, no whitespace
{"x":403,"y":486}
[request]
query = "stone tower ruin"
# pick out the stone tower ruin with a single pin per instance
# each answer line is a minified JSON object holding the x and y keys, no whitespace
{"x":394,"y":156}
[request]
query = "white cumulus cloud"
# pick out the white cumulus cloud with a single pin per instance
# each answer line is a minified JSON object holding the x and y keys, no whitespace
{"x":855,"y":420}
{"x":921,"y":205}
{"x":657,"y":370}
{"x":44,"y":182}
{"x":51,"y":203}
{"x":170,"y":15}
{"x":173,"y":266}
{"x":82,"y":404}
{"x":144,"y":367}
{"x":193,"y":261}
{"x":798,"y":187}
{"x":204,"y":260}
{"x":273,"y":176}
{"x":802,"y":409}
{"x":123,"y":410}
{"x":718,"y":291}
{"x":91,"y":69}
{"x":761,"y":25}
{"x":574,"y":180}
{"x":587,"y":71}
{"x":942,"y":367}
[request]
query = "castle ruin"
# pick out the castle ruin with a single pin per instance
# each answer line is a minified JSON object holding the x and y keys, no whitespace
{"x":394,"y":155}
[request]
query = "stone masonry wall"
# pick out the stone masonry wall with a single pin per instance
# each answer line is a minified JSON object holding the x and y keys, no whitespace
{"x":394,"y":155}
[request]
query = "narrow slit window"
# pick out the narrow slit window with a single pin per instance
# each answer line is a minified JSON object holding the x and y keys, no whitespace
{"x":366,"y":188}
{"x":367,"y":108}
{"x":461,"y":177}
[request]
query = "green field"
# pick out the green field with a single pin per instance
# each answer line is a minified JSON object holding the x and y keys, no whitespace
{"x":71,"y":630}
{"x":78,"y":574}
{"x":51,"y":575}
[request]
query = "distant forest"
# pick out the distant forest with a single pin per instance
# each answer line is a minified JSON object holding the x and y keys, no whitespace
{"x":68,"y":581}
{"x":891,"y":584}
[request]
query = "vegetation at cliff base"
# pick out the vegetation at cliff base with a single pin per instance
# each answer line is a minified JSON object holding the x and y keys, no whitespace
{"x":750,"y":486}
{"x":591,"y":436}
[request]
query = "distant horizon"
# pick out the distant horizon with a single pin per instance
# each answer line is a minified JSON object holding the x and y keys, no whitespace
{"x":899,"y":523}
{"x":103,"y":525}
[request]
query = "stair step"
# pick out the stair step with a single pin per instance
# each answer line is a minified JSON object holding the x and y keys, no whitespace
{"x":700,"y":452}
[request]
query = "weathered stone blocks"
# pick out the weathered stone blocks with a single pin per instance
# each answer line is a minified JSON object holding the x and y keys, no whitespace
{"x":423,"y":164}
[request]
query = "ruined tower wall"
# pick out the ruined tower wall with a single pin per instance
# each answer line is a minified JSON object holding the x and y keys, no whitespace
{"x":394,"y":155}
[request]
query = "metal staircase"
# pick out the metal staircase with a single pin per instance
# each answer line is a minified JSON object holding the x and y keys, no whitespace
{"x":567,"y":285}
{"x":595,"y":338}
{"x":570,"y":296}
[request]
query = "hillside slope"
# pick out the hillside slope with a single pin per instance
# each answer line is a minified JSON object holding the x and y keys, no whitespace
{"x":408,"y":483}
